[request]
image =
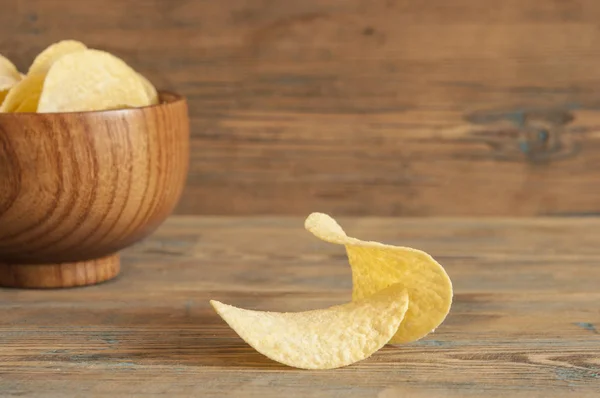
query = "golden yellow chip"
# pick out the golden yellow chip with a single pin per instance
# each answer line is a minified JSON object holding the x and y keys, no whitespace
{"x":45,"y":59}
{"x":375,"y":266}
{"x":150,"y":90}
{"x":94,"y":81}
{"x":321,"y":339}
{"x":8,"y":71}
{"x":6,"y":84}
{"x":3,"y":94}
{"x":9,"y":76}
{"x":27,"y":89}
{"x":29,"y":104}
{"x":91,"y":80}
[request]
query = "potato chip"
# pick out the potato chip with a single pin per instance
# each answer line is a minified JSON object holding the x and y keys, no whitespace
{"x":376,"y":266}
{"x":45,"y":59}
{"x":28,"y":89}
{"x":3,"y":94}
{"x":94,"y":81}
{"x":91,"y":80}
{"x":8,"y":71}
{"x":29,"y":104}
{"x":9,"y":76}
{"x":321,"y":339}
{"x":6,"y":83}
{"x":150,"y":90}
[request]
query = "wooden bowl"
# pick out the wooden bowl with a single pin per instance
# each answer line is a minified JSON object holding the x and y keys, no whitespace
{"x":76,"y":188}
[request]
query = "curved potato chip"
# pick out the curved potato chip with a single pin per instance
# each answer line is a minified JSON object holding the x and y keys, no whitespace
{"x":8,"y":70}
{"x":321,"y":339}
{"x":3,"y":94}
{"x":91,"y":80}
{"x":7,"y":82}
{"x":9,"y":76}
{"x":376,"y":266}
{"x":45,"y":59}
{"x":27,"y":89}
{"x":29,"y":104}
{"x":150,"y":90}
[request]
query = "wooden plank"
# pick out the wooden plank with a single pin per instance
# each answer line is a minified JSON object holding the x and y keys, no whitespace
{"x":361,"y":107}
{"x":524,"y":322}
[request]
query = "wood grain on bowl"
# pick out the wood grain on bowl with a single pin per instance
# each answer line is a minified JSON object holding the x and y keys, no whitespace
{"x":80,"y":186}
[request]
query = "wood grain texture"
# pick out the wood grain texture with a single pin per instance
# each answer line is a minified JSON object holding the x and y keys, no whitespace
{"x":524,"y":322}
{"x":80,"y":186}
{"x":55,"y":275}
{"x":361,"y":106}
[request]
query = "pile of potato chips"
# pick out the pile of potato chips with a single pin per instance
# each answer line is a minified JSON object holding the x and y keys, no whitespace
{"x":399,"y":295}
{"x":70,"y":77}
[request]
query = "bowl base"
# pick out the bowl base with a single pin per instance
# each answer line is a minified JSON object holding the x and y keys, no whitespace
{"x":61,"y":275}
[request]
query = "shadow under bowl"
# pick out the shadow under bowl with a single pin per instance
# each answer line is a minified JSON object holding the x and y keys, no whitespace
{"x":76,"y":188}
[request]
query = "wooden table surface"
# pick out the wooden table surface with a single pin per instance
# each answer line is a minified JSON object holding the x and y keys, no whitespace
{"x":525,"y":320}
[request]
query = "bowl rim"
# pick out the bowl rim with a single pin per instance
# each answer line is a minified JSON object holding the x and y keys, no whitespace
{"x":166,"y":98}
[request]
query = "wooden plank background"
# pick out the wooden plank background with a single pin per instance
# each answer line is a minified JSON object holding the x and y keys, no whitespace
{"x":358,"y":107}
